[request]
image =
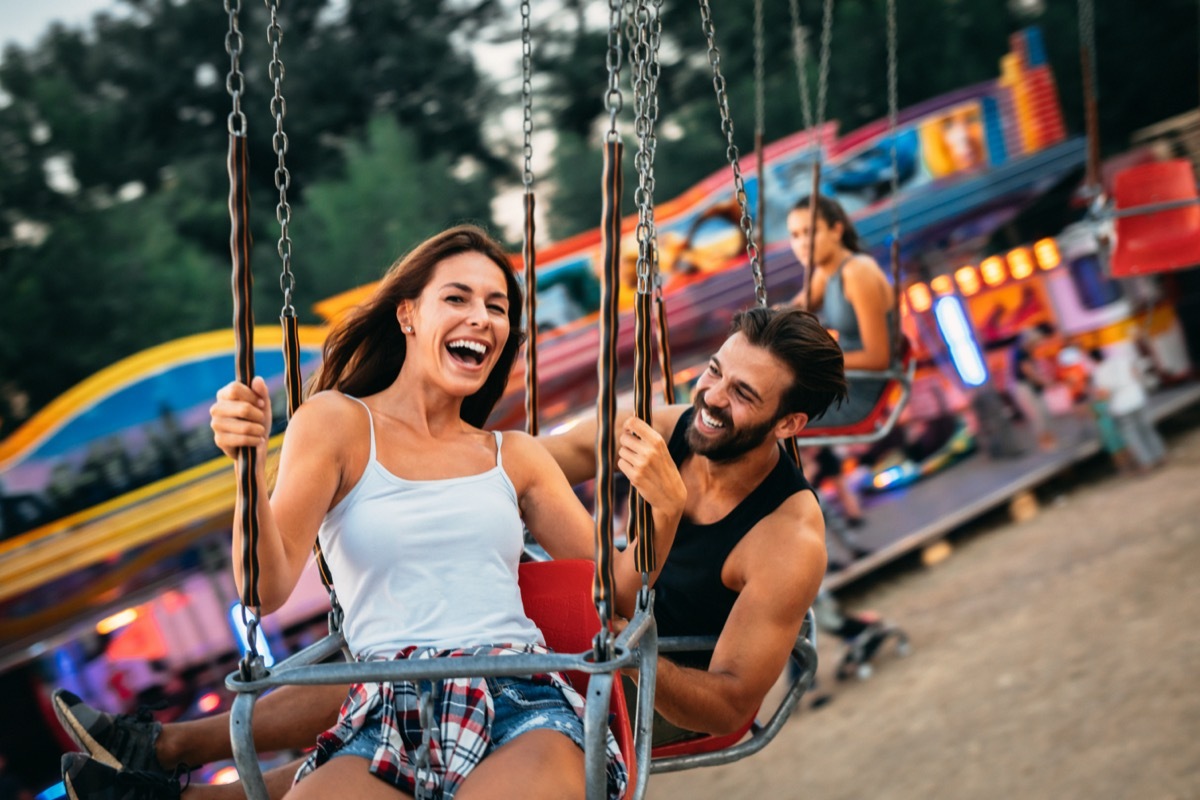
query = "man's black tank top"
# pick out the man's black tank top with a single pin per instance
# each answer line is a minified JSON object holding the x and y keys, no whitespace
{"x":689,"y":598}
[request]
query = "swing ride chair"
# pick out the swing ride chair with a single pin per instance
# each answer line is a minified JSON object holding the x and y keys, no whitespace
{"x":712,"y":750}
{"x":886,"y":412}
{"x":1156,"y":207}
{"x":557,"y":598}
{"x":576,"y":622}
{"x":1157,"y":218}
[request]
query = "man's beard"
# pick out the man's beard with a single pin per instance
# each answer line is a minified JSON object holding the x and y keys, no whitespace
{"x":733,"y":443}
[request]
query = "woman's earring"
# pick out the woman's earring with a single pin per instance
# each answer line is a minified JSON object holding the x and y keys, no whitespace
{"x":408,"y":328}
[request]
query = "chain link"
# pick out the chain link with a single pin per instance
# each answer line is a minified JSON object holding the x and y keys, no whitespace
{"x":823,"y":69}
{"x":731,"y":154}
{"x":613,"y":100}
{"x":283,"y":178}
{"x":760,"y":100}
{"x":527,"y":94}
{"x":646,"y":36}
{"x":893,"y":102}
{"x":235,"y":82}
{"x":421,"y":761}
{"x":800,"y":56}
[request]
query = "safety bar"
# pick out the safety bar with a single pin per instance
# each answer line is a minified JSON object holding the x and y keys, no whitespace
{"x":301,"y":669}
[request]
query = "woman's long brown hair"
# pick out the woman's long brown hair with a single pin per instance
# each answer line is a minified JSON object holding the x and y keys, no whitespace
{"x":363,"y":353}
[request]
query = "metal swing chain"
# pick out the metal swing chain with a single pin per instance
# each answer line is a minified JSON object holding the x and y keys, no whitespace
{"x":1087,"y":54}
{"x":527,"y":96}
{"x":731,"y":154}
{"x":235,"y":85}
{"x":800,"y":56}
{"x":235,"y":81}
{"x":760,"y":101}
{"x":528,"y":251}
{"x":614,"y":102}
{"x":421,"y":763}
{"x":283,"y":179}
{"x":823,"y":66}
{"x":646,"y":69}
{"x":646,"y":32}
{"x":760,"y":124}
{"x":893,"y":124}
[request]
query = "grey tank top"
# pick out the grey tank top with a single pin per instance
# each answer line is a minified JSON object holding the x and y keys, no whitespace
{"x":427,"y":562}
{"x":839,"y":313}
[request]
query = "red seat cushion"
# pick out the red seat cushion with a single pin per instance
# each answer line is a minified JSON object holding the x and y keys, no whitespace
{"x":558,"y":598}
{"x":704,"y":744}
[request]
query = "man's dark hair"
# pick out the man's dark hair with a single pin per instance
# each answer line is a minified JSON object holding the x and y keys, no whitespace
{"x":798,"y":339}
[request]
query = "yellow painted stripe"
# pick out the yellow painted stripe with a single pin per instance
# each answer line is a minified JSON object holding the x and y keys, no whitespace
{"x":129,"y":371}
{"x":47,"y":555}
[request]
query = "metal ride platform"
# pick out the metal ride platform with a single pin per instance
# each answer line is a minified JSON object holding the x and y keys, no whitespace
{"x":901,"y":521}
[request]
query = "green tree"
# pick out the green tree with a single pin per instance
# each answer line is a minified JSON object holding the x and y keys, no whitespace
{"x":113,"y":282}
{"x":354,"y":226}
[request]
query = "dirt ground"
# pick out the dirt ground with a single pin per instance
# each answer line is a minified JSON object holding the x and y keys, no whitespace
{"x":1054,"y":658}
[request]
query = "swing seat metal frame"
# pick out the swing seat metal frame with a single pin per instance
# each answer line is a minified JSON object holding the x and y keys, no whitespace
{"x":886,"y":413}
{"x":713,"y":750}
{"x":634,"y":647}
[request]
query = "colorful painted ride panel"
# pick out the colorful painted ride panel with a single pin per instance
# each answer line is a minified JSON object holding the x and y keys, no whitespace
{"x":139,"y":421}
{"x":962,"y":158}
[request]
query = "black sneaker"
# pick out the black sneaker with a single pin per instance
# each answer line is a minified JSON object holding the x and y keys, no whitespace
{"x":85,"y":778}
{"x":123,"y":742}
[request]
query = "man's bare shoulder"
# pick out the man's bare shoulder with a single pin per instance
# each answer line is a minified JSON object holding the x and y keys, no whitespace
{"x":789,"y":541}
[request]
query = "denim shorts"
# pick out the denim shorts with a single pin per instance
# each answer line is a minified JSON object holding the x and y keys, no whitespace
{"x":520,"y":706}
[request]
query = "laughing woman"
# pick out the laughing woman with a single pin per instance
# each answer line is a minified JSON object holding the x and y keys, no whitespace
{"x":419,"y":512}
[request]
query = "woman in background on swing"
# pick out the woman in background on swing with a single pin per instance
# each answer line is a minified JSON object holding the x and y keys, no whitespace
{"x":419,"y":513}
{"x":853,"y":297}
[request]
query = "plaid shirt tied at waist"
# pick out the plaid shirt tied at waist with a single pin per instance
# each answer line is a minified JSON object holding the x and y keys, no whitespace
{"x":461,"y":735}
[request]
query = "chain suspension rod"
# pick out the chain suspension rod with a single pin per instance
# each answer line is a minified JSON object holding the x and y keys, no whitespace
{"x":731,"y":153}
{"x":528,"y":252}
{"x":613,"y":100}
{"x":760,"y":127}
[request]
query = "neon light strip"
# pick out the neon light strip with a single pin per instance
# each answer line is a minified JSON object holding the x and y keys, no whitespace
{"x":964,"y":350}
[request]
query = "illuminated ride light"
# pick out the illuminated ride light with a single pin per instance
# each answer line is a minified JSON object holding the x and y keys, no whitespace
{"x":1020,"y":263}
{"x":967,"y":279}
{"x":116,"y":621}
{"x":1046,"y":253}
{"x":239,"y":630}
{"x":942,"y":285}
{"x":964,"y":349}
{"x":993,"y":271}
{"x":919,"y":298}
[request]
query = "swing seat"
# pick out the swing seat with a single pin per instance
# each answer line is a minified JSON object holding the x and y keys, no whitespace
{"x":712,"y":750}
{"x":882,"y":417}
{"x":558,"y":597}
{"x":1156,"y":241}
{"x":703,"y":744}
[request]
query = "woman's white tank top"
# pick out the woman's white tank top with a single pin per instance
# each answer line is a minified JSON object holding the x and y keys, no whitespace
{"x":427,"y":563}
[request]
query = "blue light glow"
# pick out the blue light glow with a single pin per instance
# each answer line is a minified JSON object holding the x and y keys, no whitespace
{"x":964,"y":349}
{"x":239,"y":631}
{"x":54,"y":792}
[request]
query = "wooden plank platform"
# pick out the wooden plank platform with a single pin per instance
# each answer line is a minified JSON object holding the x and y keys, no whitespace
{"x":907,"y":519}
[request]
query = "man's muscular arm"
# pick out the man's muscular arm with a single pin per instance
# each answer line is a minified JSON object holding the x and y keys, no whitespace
{"x":782,"y":570}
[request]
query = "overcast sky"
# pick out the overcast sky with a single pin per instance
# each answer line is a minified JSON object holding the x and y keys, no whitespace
{"x":22,"y":21}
